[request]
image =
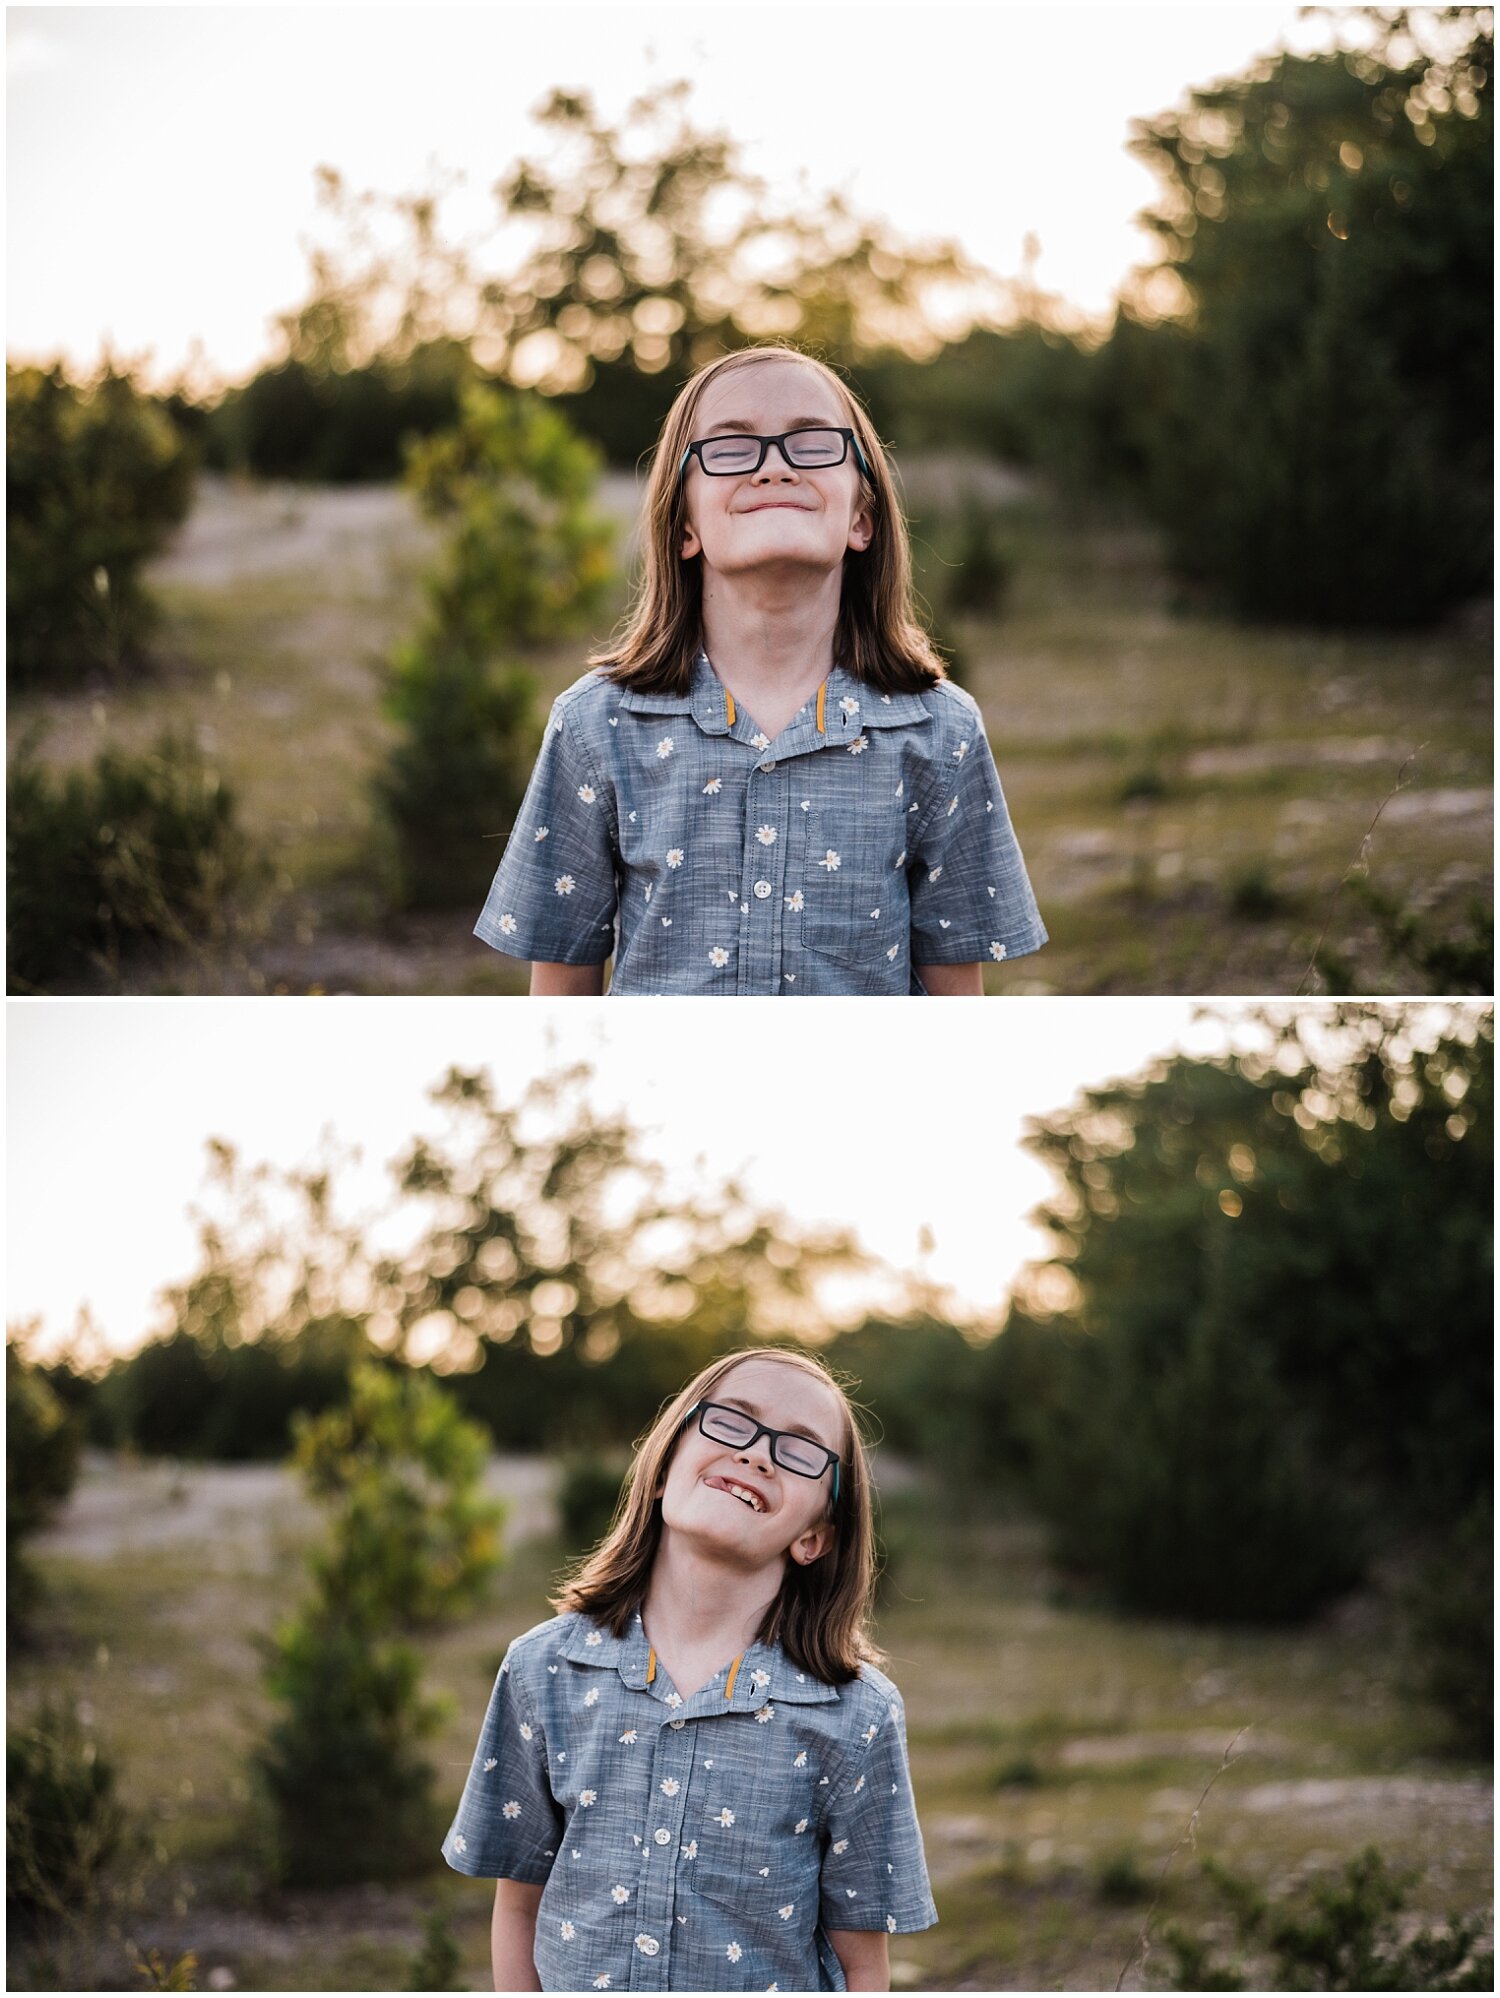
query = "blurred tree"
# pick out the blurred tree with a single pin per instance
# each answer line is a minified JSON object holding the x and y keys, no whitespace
{"x":42,"y":1441}
{"x":96,"y":479}
{"x":411,"y":1542}
{"x":1315,"y":424}
{"x":528,"y":559}
{"x":1279,"y":1267}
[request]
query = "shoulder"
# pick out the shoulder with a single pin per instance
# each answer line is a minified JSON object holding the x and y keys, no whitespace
{"x":871,"y":1696}
{"x":952,"y":708}
{"x":534,"y":1649}
{"x":588,"y":703}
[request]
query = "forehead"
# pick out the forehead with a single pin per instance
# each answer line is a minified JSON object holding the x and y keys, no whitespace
{"x":785,"y":1397}
{"x":768,"y":392}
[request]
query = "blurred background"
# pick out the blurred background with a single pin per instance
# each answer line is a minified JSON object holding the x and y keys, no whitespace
{"x":1172,"y":1334}
{"x":336,"y":340}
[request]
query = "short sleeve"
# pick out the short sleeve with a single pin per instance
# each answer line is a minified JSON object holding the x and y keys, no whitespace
{"x":971,"y":899}
{"x":553,"y":896}
{"x":508,"y":1824}
{"x":874,"y":1872}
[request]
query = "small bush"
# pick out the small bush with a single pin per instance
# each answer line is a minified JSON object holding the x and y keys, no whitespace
{"x":435,"y":1966}
{"x":63,"y":1823}
{"x":1253,"y":893}
{"x":41,"y":1465}
{"x":1450,"y":1611}
{"x":352,"y":1796}
{"x":587,"y":1495}
{"x":1021,"y":1772}
{"x":104,"y":861}
{"x":1119,"y":1881}
{"x":1346,"y":1935}
{"x":96,"y":479}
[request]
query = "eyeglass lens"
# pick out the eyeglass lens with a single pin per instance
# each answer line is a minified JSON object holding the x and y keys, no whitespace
{"x":793,"y":1453}
{"x":804,"y":448}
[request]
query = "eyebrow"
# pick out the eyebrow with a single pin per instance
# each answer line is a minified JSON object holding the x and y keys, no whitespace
{"x":797,"y":423}
{"x":793,"y":1429}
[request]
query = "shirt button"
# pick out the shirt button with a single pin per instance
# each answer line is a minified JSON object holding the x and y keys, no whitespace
{"x":676,"y":1723}
{"x":647,"y":1945}
{"x":762,"y":890}
{"x":767,"y":768}
{"x":662,"y":1837}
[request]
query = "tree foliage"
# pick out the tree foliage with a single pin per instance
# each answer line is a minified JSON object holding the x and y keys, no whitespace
{"x":1277,"y":1271}
{"x":96,"y":479}
{"x":1315,"y":419}
{"x":42,"y":1443}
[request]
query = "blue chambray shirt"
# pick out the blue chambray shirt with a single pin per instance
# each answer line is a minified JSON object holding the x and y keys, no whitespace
{"x":691,"y":1845}
{"x":667,"y":830}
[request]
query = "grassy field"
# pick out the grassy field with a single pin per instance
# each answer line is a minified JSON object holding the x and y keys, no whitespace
{"x":1058,"y":1752}
{"x":1190,"y":795}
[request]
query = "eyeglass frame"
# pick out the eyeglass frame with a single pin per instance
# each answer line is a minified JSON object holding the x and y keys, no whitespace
{"x":701,"y":1408}
{"x":765,"y":443}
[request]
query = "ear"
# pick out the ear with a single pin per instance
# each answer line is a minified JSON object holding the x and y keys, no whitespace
{"x":691,"y":545}
{"x":812,"y":1545}
{"x":861,"y":530}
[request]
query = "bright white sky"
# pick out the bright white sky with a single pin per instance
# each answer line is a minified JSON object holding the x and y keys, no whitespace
{"x":161,"y":159}
{"x":833,"y":1113}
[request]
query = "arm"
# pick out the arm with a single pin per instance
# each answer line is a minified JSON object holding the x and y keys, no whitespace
{"x":568,"y":981}
{"x":950,"y":981}
{"x":513,"y":1936}
{"x":865,"y":1955}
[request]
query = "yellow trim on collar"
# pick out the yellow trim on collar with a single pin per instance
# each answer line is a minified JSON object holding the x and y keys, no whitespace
{"x":729,"y":707}
{"x":822,"y":699}
{"x":651,"y":1666}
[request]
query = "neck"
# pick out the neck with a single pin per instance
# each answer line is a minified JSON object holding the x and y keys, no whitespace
{"x":771,"y":637}
{"x":696,"y":1604}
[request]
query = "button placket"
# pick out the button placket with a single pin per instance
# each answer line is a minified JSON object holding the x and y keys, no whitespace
{"x":671,"y":1771}
{"x":765,"y":840}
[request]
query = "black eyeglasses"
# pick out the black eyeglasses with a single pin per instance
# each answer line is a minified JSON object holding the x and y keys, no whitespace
{"x":799,"y":1454}
{"x":807,"y":450}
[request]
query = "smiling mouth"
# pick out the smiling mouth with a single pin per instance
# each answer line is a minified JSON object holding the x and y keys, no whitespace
{"x":746,"y":1494}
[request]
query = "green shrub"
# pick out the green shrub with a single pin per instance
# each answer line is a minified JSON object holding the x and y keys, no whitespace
{"x":1119,"y":1881}
{"x":1450,"y":1614}
{"x":63,"y":1823}
{"x":96,"y":479}
{"x":1346,"y":1935}
{"x":587,"y":1495}
{"x":435,"y":1967}
{"x":107,"y":860}
{"x":412,"y":1540}
{"x":42,"y":1440}
{"x":351,"y":1794}
{"x":527,"y":560}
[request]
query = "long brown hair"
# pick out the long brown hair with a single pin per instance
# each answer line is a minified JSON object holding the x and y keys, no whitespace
{"x":878,"y":638}
{"x":821,"y":1618}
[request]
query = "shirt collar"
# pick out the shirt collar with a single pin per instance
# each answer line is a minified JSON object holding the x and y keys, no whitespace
{"x":765,"y":1673}
{"x":707,"y":701}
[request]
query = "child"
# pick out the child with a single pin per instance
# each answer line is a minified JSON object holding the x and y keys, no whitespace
{"x":767,"y":785}
{"x":695,"y":1778}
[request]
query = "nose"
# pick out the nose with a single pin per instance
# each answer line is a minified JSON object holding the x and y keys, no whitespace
{"x":757,"y":1454}
{"x":785,"y":470}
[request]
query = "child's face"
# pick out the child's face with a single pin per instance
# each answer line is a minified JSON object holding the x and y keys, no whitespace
{"x":779,"y":518}
{"x":789,"y":1516}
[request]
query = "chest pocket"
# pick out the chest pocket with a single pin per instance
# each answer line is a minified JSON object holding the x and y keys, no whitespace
{"x":761,"y":1862}
{"x":855,"y":906}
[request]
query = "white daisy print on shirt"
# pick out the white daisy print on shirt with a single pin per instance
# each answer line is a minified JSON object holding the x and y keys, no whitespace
{"x":670,"y":1786}
{"x":831,"y":862}
{"x":587,"y":793}
{"x":587,"y":1797}
{"x":460,"y":1843}
{"x":675,"y":856}
{"x":690,"y":1850}
{"x":619,"y":1895}
{"x":891,"y":953}
{"x":760,"y":1678}
{"x":490,"y":1762}
{"x":952,"y":808}
{"x":859,"y":745}
{"x":961,"y":752}
{"x":935,"y":873}
{"x":848,"y":705}
{"x":800,"y":1761}
{"x":734,"y":1952}
{"x":794,"y":901}
{"x":725,"y":1818}
{"x":890,"y":1923}
{"x":665,"y":747}
{"x":629,"y":1736}
{"x":760,"y":740}
{"x":602,"y":1981}
{"x":997,"y":951}
{"x":567,"y":1931}
{"x":718,"y":957}
{"x":510,"y":1810}
{"x":541,"y":832}
{"x":591,"y":1697}
{"x":788,"y":1911}
{"x":800,"y":1825}
{"x":713,"y":787}
{"x":565,"y":884}
{"x":525,"y":1730}
{"x":507,"y":926}
{"x":766,"y":835}
{"x":764,"y":1714}
{"x":841,"y":1845}
{"x":674,"y":1699}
